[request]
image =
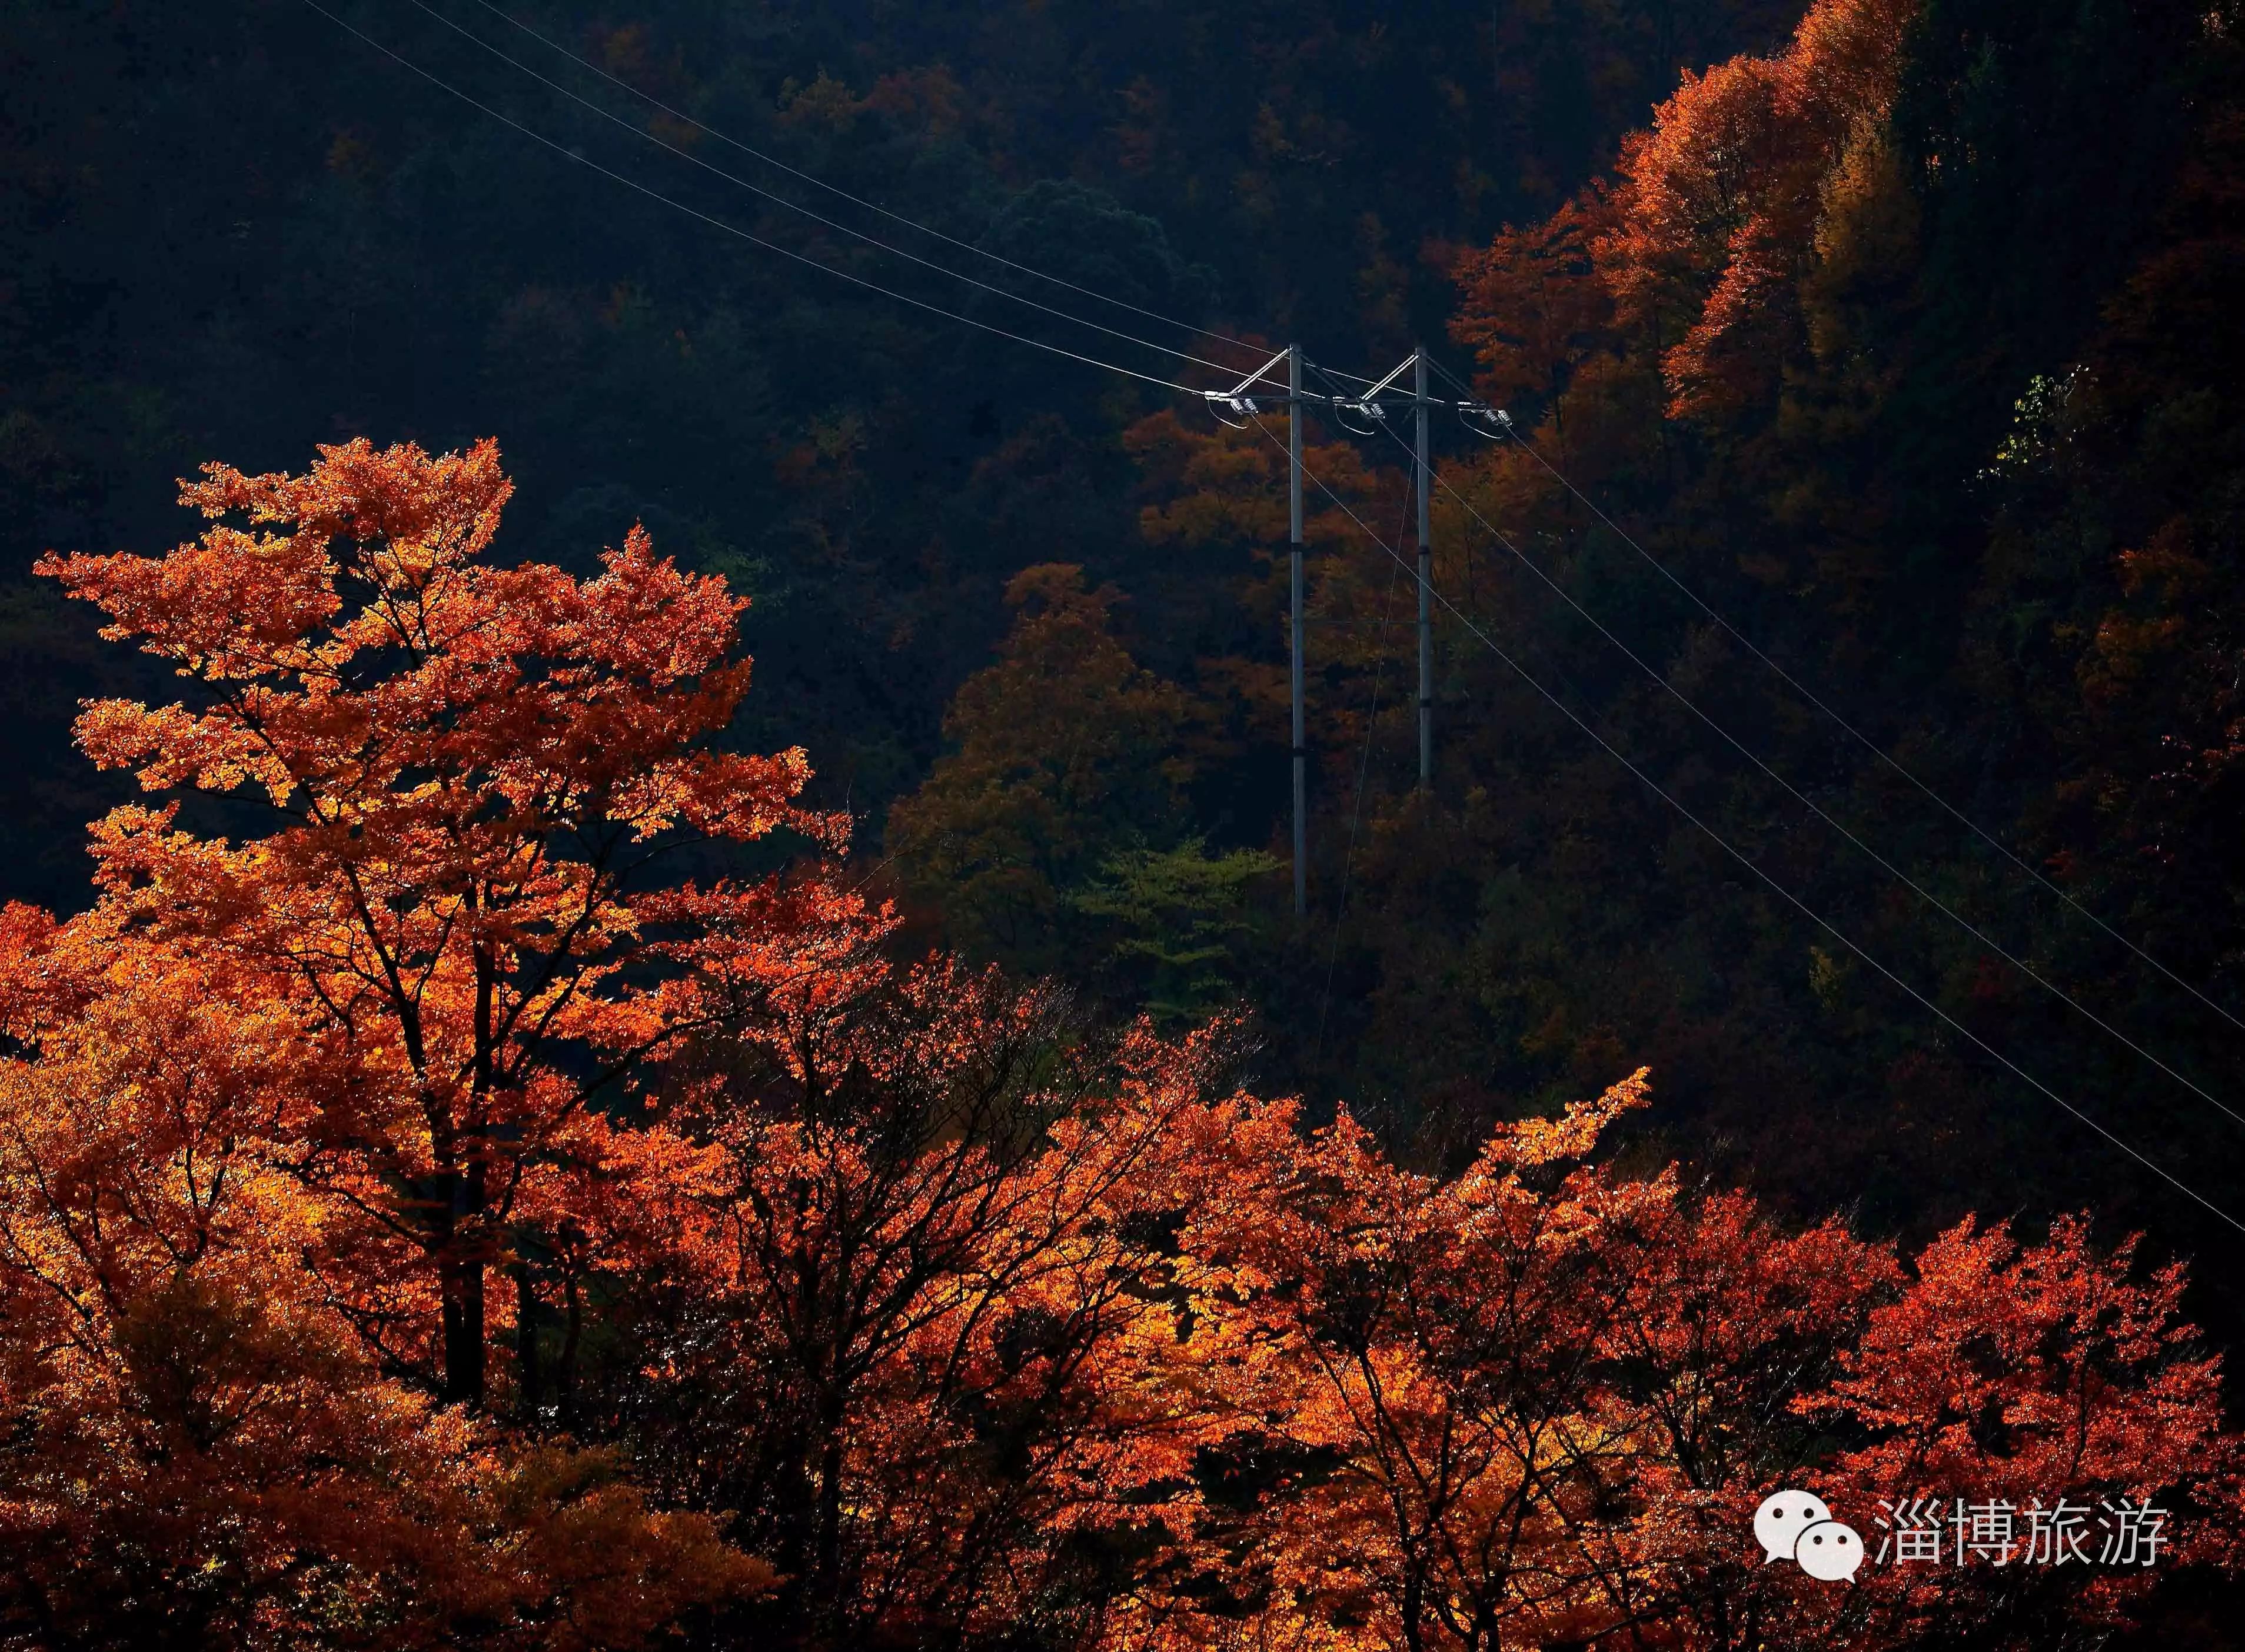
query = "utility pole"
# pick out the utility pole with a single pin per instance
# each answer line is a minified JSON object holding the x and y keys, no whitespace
{"x":1420,"y":481}
{"x":1294,"y":662}
{"x":1235,"y":408}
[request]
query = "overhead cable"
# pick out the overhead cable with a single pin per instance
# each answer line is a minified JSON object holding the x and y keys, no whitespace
{"x":1463,"y":406}
{"x":1861,"y":738}
{"x":688,"y":155}
{"x":1740,"y":855}
{"x":1809,"y":803}
{"x":873,"y":207}
{"x":734,"y":230}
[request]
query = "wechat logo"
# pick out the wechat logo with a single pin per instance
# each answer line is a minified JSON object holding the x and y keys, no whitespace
{"x":1795,"y":1525}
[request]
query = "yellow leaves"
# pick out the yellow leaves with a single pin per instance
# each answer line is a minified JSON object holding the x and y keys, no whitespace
{"x":1574,"y":1132}
{"x":825,"y":104}
{"x":1867,"y":218}
{"x":171,"y":747}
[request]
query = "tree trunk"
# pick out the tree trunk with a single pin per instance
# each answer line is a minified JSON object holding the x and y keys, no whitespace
{"x":463,"y":1285}
{"x":573,"y":1324}
{"x":828,"y":1571}
{"x":460,"y":1277}
{"x":1415,"y":1607}
{"x":528,"y":1379}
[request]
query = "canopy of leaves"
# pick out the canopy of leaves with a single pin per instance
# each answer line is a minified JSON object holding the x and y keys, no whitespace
{"x":459,"y":1186}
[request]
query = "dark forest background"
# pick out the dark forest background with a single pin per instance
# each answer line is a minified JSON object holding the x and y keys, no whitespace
{"x":1983,"y":497}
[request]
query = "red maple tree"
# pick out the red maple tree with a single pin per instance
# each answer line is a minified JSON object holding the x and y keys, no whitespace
{"x":472,"y":773}
{"x":964,"y":1321}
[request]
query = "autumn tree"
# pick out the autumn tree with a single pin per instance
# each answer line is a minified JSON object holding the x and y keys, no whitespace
{"x":921,"y":1339}
{"x":202,"y":1450}
{"x":1718,"y":202}
{"x":1750,"y":274}
{"x":973,"y":1321}
{"x":1534,"y":310}
{"x":1482,"y":1438}
{"x":470,"y":772}
{"x":1061,"y":750}
{"x":2030,"y":1371}
{"x":1538,"y":1402}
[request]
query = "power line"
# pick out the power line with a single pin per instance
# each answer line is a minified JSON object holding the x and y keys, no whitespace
{"x":758,"y":240}
{"x":645,"y":136}
{"x":1777,"y":888}
{"x":935,"y":309}
{"x":1793,"y":791}
{"x":732,"y":229}
{"x":1863,"y":740}
{"x":872,"y":206}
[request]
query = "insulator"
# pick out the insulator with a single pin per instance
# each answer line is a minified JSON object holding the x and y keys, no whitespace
{"x":1219,"y":401}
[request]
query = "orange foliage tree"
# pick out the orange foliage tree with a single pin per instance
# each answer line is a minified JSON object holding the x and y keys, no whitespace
{"x":926,"y":1340}
{"x":1759,"y":184}
{"x":475,"y":770}
{"x":1718,"y":203}
{"x":1534,"y":312}
{"x":973,"y":1328}
{"x":279,"y":1106}
{"x":1538,"y":1402}
{"x":1064,"y":744}
{"x":201,"y":1451}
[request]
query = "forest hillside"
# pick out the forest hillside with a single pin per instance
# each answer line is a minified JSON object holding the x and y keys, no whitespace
{"x":649,"y":988}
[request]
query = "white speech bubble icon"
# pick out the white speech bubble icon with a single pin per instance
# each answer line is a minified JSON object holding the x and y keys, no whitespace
{"x":1828,"y":1550}
{"x":1781,"y":1518}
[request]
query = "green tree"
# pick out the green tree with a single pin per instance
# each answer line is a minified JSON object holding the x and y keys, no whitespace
{"x":1182,"y":923}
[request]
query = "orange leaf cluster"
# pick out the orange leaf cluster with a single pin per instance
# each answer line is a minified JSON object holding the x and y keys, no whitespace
{"x":852,"y":1303}
{"x":1746,"y":180}
{"x":1718,"y":203}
